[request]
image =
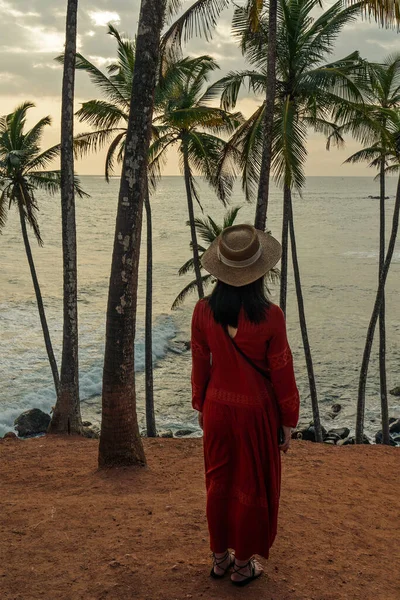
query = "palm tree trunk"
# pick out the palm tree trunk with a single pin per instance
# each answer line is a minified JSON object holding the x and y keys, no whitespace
{"x":303,"y":326}
{"x":374,"y":319}
{"x":150,"y":416}
{"x":382,"y":325}
{"x":196,"y":257}
{"x":67,"y":413}
{"x":120,"y":441}
{"x":285,"y":249}
{"x":263,"y":189}
{"x":39,"y":301}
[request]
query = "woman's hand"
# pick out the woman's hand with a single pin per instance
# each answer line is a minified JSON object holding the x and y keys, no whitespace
{"x":288,"y":436}
{"x":201,"y":420}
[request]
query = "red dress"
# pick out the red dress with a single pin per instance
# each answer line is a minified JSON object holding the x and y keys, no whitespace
{"x":241,"y":421}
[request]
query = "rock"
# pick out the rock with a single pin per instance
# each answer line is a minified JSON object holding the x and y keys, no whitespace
{"x":335,"y":410}
{"x":352,"y":440}
{"x":183,"y":432}
{"x":395,"y":426}
{"x":32,"y":422}
{"x":165,"y":434}
{"x":379,"y":439}
{"x":395,"y":391}
{"x":341,"y":432}
{"x":10,"y":435}
{"x":308,"y":434}
{"x":188,"y":345}
{"x":392,"y":420}
{"x":86,"y":423}
{"x":89,"y":432}
{"x":332,"y":438}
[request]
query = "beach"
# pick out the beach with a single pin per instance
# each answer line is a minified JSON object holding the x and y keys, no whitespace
{"x":71,"y":532}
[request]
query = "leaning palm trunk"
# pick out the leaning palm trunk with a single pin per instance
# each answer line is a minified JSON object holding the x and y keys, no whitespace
{"x":382,"y":325}
{"x":196,"y":256}
{"x":39,"y":301}
{"x":263,"y":189}
{"x":120,"y":441}
{"x":285,"y":249}
{"x":67,"y":414}
{"x":150,"y":416}
{"x":303,"y":326}
{"x":374,"y":318}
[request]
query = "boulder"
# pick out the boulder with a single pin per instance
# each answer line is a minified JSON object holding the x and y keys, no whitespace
{"x":89,"y":432}
{"x":32,"y":422}
{"x":395,"y":391}
{"x":379,"y":439}
{"x":395,"y":426}
{"x":352,"y":440}
{"x":86,"y":423}
{"x":10,"y":435}
{"x":308,"y":434}
{"x":165,"y":434}
{"x":334,"y":411}
{"x":341,"y":432}
{"x":183,"y":432}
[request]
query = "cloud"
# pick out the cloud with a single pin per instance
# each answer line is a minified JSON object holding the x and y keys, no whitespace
{"x":102,"y":18}
{"x":32,"y":34}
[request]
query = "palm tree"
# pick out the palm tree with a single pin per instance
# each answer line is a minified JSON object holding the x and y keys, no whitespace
{"x":208,"y":231}
{"x":66,"y":416}
{"x":200,"y":18}
{"x":24,"y":171}
{"x":385,"y":12}
{"x":150,"y":415}
{"x":393,"y":125}
{"x":120,"y":441}
{"x":368,"y":123}
{"x":186,"y":120}
{"x":307,"y":91}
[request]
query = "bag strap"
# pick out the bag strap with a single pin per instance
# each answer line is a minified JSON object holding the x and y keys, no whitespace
{"x":250,"y":362}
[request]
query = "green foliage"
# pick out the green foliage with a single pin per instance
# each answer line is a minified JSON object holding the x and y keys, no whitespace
{"x":25,"y":168}
{"x":375,"y":122}
{"x":308,"y":88}
{"x":208,"y":231}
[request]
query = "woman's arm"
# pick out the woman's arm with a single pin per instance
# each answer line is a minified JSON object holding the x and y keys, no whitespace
{"x":201,"y":365}
{"x":280,"y":362}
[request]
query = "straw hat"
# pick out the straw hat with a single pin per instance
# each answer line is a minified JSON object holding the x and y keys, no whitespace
{"x":241,"y":255}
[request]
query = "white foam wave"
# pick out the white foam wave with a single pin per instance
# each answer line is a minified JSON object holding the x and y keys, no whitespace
{"x":43,"y":397}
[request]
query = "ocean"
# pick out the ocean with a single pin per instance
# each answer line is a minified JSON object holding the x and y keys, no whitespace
{"x":337,"y":228}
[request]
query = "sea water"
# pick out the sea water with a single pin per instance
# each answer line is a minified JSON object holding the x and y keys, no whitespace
{"x":337,"y":227}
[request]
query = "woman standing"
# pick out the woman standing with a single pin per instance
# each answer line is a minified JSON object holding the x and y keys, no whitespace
{"x":245,"y":390}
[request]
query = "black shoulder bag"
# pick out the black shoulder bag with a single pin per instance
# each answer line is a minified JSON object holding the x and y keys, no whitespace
{"x":281,"y":433}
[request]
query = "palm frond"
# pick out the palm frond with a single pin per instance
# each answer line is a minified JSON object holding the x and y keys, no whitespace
{"x":190,"y":288}
{"x":198,"y":20}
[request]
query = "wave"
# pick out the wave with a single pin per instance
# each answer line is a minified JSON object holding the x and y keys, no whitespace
{"x":371,"y":254}
{"x":90,"y":382}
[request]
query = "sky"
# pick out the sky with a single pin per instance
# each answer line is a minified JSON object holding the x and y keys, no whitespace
{"x":32,"y":35}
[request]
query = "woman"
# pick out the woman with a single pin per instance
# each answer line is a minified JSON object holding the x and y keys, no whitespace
{"x":244,"y":389}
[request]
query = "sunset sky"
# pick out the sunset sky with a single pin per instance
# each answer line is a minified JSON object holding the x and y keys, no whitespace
{"x":32,"y":35}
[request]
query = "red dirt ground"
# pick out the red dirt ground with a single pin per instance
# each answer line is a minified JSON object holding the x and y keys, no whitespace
{"x":70,"y":532}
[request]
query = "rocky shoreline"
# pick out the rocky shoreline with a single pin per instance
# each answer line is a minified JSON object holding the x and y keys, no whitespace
{"x":34,"y":422}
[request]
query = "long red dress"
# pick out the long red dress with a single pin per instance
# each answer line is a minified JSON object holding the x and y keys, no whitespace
{"x":241,"y":421}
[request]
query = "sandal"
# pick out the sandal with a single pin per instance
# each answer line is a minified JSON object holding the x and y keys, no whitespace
{"x":246,"y":578}
{"x":218,"y":562}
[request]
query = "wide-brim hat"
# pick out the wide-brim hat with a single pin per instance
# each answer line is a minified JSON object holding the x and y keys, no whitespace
{"x":241,"y":254}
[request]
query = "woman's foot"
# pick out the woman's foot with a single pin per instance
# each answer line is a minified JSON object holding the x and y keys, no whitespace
{"x":222,"y":563}
{"x":246,"y":571}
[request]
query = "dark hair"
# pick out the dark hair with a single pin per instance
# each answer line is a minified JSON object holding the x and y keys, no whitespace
{"x":226,"y":302}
